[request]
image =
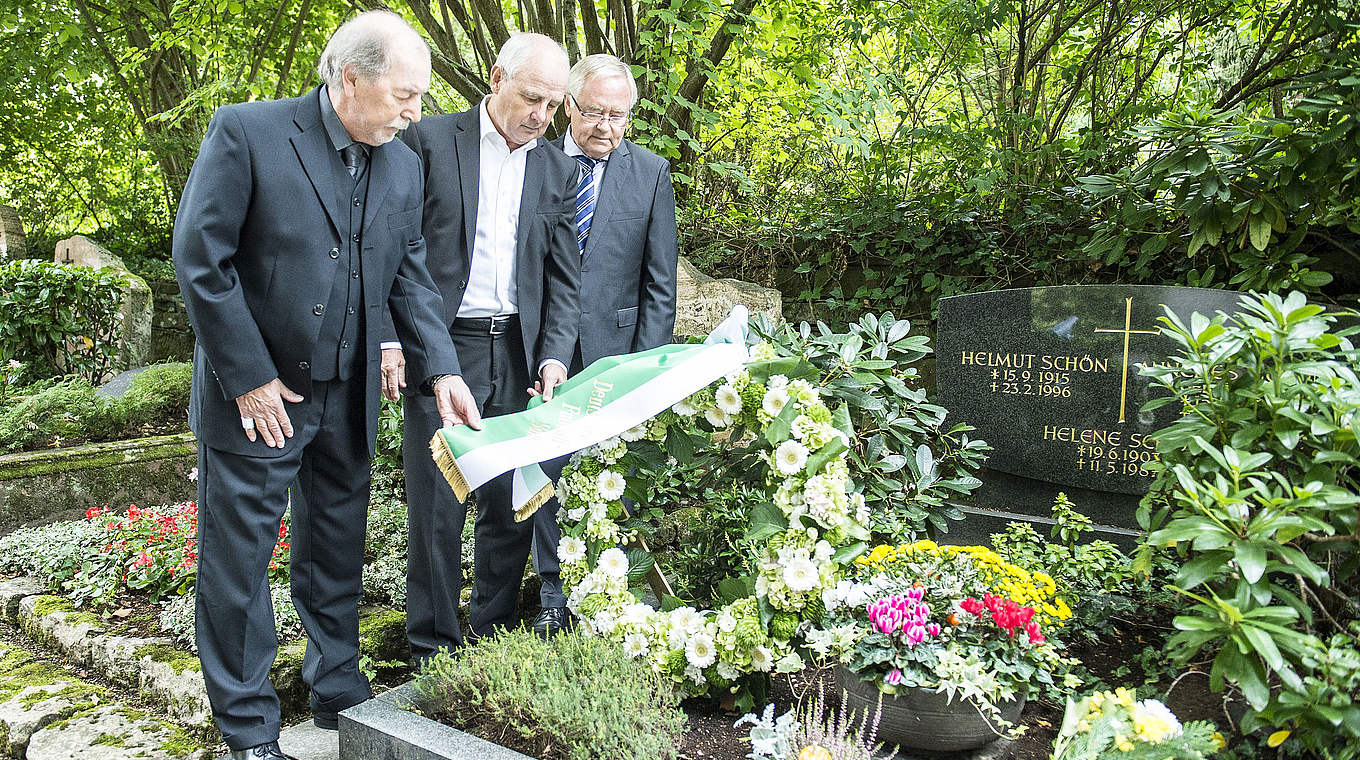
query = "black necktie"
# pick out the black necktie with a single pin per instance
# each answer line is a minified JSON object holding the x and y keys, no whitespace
{"x":353,"y":156}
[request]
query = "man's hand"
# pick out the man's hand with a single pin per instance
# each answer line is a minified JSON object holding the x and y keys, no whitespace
{"x":455,"y":402}
{"x":550,"y":375}
{"x":262,"y":411}
{"x":393,"y":373}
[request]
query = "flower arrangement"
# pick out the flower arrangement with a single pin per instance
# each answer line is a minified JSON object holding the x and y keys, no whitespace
{"x":151,"y":550}
{"x":799,"y":538}
{"x":1118,"y":725}
{"x":954,"y":619}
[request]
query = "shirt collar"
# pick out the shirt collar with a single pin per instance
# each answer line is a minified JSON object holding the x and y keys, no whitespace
{"x":335,"y":130}
{"x":488,"y":129}
{"x":570,"y":147}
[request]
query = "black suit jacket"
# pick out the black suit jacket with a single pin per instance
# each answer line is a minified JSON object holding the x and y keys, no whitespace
{"x":547,"y":268}
{"x":252,"y":245}
{"x":628,"y":265}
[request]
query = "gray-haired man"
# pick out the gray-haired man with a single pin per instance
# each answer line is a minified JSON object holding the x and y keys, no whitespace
{"x":298,"y":228}
{"x":626,"y":235}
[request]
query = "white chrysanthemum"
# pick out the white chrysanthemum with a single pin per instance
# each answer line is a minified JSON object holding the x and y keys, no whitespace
{"x":635,"y":614}
{"x":610,"y":484}
{"x":762,"y":659}
{"x":676,"y":637}
{"x":727,"y":671}
{"x":571,"y":550}
{"x":728,"y":399}
{"x":576,"y":514}
{"x":800,"y":574}
{"x":778,"y":382}
{"x":822,"y":551}
{"x":1153,"y":722}
{"x":790,"y":457}
{"x":687,"y":619}
{"x":684,"y":408}
{"x":635,"y":645}
{"x":700,"y":650}
{"x":717,"y":417}
{"x":727,"y":622}
{"x":774,"y":401}
{"x":613,"y":562}
{"x":636,"y":433}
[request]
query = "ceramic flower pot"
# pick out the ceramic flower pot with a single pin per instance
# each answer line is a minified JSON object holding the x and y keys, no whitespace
{"x":924,"y":719}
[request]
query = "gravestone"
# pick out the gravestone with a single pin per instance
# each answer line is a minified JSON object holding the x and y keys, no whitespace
{"x":1049,"y":377}
{"x":702,"y":302}
{"x":136,"y":309}
{"x":11,"y":234}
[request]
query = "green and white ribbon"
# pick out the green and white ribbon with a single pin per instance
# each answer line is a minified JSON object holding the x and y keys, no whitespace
{"x":610,"y":396}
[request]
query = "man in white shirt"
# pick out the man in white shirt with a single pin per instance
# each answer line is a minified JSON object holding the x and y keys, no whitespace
{"x":499,"y":224}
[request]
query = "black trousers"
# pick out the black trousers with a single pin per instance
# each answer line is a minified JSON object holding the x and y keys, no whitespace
{"x":240,"y":502}
{"x":494,"y":369}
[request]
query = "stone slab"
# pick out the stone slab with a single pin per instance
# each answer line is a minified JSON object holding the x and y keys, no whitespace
{"x":11,"y":234}
{"x":13,"y":591}
{"x":35,"y":707}
{"x":120,"y":383}
{"x":702,"y":301}
{"x":380,"y":729}
{"x":70,"y":633}
{"x":112,"y":733}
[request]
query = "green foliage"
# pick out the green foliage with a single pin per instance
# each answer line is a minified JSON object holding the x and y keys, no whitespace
{"x":570,"y":697}
{"x":1258,"y":495}
{"x":712,"y":545}
{"x":907,"y":459}
{"x":51,"y":553}
{"x":70,"y":411}
{"x":58,"y":319}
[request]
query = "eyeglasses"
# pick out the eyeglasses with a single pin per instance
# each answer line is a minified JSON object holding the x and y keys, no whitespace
{"x":591,"y":118}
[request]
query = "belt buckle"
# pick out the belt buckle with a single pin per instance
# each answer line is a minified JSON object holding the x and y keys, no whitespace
{"x":499,"y":325}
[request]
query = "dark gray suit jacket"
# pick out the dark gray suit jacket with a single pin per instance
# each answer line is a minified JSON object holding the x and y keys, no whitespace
{"x":252,"y":245}
{"x":547,"y":268}
{"x":628,"y":266}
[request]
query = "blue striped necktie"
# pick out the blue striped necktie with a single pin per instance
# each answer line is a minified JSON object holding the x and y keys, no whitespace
{"x":585,"y":200}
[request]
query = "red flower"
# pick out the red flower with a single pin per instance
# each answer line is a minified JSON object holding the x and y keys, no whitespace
{"x":1032,"y":628}
{"x":971,"y":606}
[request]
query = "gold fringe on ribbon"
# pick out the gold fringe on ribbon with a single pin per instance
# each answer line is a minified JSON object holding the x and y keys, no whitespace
{"x":444,"y":460}
{"x":537,"y":500}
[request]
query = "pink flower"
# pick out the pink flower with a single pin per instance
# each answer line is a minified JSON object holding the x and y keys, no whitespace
{"x":933,"y":629}
{"x":193,"y":474}
{"x":894,"y":677}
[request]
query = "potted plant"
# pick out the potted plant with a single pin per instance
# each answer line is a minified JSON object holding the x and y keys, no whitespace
{"x":954,"y":637}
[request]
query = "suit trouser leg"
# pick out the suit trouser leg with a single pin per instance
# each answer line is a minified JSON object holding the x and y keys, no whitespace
{"x":329,"y":518}
{"x":434,"y":570}
{"x":547,"y":535}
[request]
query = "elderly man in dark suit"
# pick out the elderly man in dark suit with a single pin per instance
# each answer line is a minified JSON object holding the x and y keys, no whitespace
{"x":298,"y":230}
{"x":625,"y":223}
{"x":499,"y":208}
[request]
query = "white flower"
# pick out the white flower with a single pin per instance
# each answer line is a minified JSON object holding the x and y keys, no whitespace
{"x":790,"y":457}
{"x":635,"y":645}
{"x":789,"y":663}
{"x":800,"y":574}
{"x":606,"y":622}
{"x":613,"y":562}
{"x":576,"y":514}
{"x":778,"y":382}
{"x":687,"y":619}
{"x":762,"y":659}
{"x":610,"y":484}
{"x":727,"y":622}
{"x":684,"y":408}
{"x":695,"y":674}
{"x":571,"y":550}
{"x":774,"y":401}
{"x":728,"y":399}
{"x":635,"y":433}
{"x":1153,"y":722}
{"x":635,"y":614}
{"x":727,"y":671}
{"x":717,"y":417}
{"x":700,"y":650}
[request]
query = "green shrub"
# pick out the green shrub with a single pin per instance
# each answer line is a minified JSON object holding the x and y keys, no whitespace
{"x":568,"y":698}
{"x":69,"y":411}
{"x":58,"y":319}
{"x":51,"y":553}
{"x":1258,"y":494}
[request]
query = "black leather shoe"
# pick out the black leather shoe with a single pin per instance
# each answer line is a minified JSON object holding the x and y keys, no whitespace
{"x":328,"y":721}
{"x":266,"y":751}
{"x":551,"y":620}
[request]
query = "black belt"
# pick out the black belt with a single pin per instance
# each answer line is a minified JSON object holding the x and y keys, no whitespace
{"x":496,"y":325}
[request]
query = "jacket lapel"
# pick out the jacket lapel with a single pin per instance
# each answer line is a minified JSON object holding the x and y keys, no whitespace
{"x":316,"y":155}
{"x":609,"y":193}
{"x":528,"y":202}
{"x":467,"y":143}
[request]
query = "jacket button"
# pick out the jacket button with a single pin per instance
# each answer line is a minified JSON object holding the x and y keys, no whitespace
{"x":354,"y":273}
{"x":304,"y":366}
{"x":344,"y":344}
{"x":350,"y":310}
{"x":356,"y":202}
{"x":462,"y":284}
{"x":335,"y":253}
{"x":318,"y":309}
{"x":354,"y":237}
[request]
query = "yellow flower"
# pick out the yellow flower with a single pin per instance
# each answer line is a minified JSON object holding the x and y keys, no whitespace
{"x":1123,"y":744}
{"x":814,"y":752}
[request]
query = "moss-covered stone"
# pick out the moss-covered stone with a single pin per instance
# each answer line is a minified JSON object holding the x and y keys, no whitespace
{"x":178,"y":660}
{"x":13,"y":659}
{"x":47,"y":604}
{"x":110,"y":740}
{"x":73,"y":691}
{"x":34,"y":673}
{"x":382,"y":634}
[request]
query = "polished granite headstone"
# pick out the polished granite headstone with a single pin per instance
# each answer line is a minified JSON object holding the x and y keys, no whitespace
{"x":1049,"y":377}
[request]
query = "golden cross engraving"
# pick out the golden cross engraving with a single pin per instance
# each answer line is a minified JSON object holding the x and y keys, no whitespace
{"x":1124,"y":381}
